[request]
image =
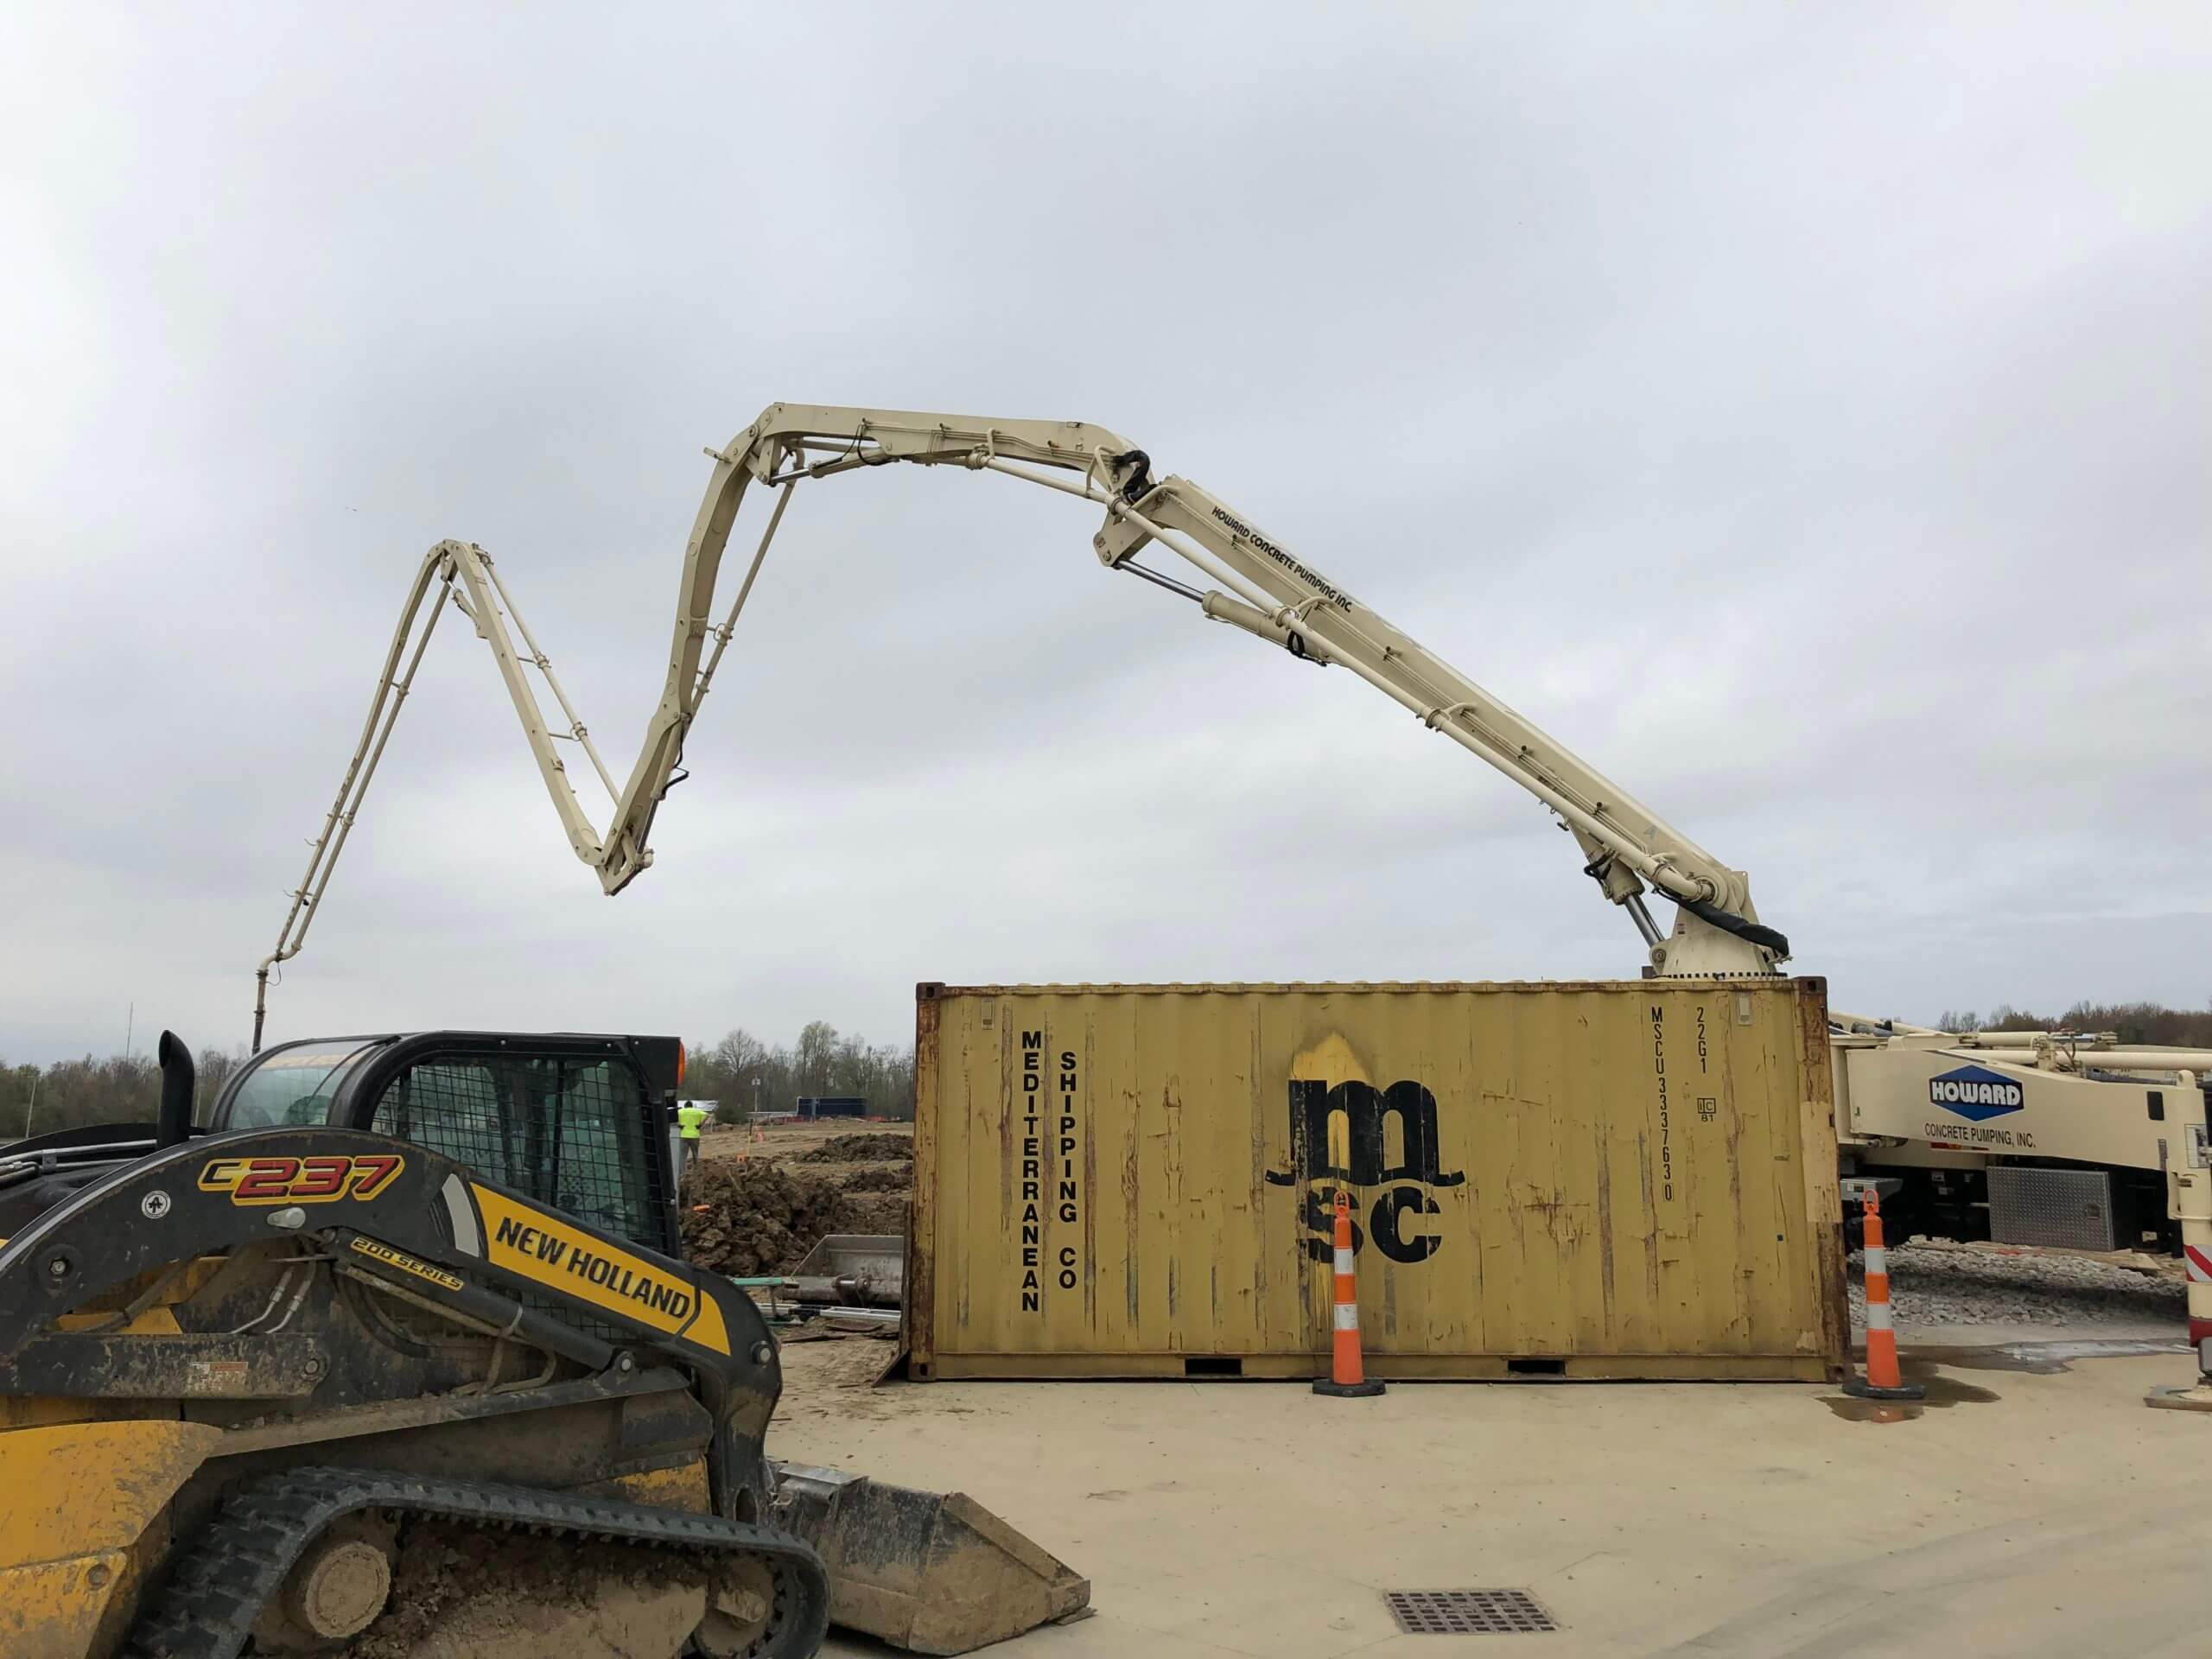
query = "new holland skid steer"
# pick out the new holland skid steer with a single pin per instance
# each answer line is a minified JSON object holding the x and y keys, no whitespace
{"x":397,"y":1296}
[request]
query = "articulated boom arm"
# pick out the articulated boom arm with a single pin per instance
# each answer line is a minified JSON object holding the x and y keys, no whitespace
{"x":1261,"y":588}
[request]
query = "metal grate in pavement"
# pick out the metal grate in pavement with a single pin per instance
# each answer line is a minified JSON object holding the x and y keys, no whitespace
{"x":1467,"y":1612}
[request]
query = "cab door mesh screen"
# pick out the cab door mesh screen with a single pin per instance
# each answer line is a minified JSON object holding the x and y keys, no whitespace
{"x":567,"y":1132}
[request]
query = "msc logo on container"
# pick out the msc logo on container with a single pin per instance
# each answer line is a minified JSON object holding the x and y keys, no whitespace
{"x":1338,"y":1137}
{"x":1975,"y":1093}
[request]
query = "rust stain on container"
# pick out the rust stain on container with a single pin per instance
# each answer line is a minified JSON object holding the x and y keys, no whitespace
{"x":1610,"y":1179}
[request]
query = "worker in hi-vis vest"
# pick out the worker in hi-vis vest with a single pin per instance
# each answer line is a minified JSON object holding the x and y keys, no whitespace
{"x":689,"y":1116}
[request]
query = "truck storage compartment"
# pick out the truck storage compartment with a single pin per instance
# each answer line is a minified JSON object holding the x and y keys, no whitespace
{"x":2073,"y":1209}
{"x":1598,"y":1179}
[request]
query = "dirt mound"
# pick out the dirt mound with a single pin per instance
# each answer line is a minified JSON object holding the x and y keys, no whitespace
{"x":877,"y":1149}
{"x":872,"y":1213}
{"x":749,"y":1218}
{"x":878,"y":1178}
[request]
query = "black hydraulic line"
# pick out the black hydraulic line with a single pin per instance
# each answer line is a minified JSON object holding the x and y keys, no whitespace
{"x":432,"y":1286}
{"x":1140,"y":466}
{"x":1729,"y":922}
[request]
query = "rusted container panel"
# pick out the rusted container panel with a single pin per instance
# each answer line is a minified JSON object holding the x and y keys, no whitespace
{"x":1633,"y":1179}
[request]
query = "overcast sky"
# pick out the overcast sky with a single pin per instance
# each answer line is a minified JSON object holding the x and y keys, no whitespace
{"x":1803,"y":413}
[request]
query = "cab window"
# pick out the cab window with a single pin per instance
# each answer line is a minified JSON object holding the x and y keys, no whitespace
{"x":293,"y":1087}
{"x":568,"y":1133}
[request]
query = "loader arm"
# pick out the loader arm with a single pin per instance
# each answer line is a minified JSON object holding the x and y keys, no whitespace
{"x":1258,"y":586}
{"x":402,"y":1219}
{"x":394,"y":1212}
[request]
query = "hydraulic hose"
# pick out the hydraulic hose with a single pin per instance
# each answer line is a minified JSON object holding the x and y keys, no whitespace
{"x":1728,"y":922}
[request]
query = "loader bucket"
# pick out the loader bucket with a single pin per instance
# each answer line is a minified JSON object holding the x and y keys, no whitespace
{"x":77,"y":1499}
{"x":928,"y":1572}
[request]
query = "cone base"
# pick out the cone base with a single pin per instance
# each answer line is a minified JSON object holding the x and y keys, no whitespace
{"x":2197,"y":1397}
{"x":1366,"y":1391}
{"x":1859,"y":1389}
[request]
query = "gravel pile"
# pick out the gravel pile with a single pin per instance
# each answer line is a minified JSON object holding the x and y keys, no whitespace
{"x":1933,"y":1286}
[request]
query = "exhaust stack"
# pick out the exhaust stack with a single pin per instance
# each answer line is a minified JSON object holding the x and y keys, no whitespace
{"x":174,"y":1126}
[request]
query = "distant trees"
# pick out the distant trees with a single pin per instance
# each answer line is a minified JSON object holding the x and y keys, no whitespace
{"x":127,"y":1088}
{"x":121,"y":1088}
{"x":2135,"y":1022}
{"x":740,"y":1071}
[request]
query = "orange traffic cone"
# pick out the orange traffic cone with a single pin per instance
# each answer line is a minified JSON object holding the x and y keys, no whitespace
{"x":1347,"y":1377}
{"x":1884,"y":1380}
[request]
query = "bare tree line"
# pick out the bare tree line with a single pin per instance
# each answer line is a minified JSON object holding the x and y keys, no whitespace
{"x":121,"y":1088}
{"x":127,"y":1088}
{"x":2133,"y":1022}
{"x":740,"y":1071}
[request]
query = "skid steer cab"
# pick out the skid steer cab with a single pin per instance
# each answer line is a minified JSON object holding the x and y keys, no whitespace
{"x":400,"y":1299}
{"x":574,"y":1122}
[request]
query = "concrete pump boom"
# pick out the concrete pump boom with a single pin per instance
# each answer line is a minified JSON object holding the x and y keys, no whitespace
{"x":1261,"y":588}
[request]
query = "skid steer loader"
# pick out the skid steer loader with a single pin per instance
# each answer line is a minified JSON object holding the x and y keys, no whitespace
{"x":409,"y":1302}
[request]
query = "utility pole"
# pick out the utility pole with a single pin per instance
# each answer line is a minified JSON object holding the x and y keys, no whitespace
{"x":129,"y":1027}
{"x":756,"y":1096}
{"x":30,"y":1115}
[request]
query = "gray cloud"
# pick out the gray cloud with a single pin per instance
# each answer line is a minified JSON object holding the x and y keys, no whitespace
{"x":1801,"y":415}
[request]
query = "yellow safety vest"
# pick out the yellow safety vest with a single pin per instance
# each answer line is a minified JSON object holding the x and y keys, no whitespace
{"x":687,"y":1120}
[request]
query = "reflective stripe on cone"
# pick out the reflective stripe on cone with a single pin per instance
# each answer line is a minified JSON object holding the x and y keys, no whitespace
{"x":1347,"y":1377}
{"x":1885,"y":1376}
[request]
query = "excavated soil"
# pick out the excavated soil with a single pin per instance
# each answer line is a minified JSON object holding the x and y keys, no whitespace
{"x":876,"y":1148}
{"x":877,"y":1178}
{"x":748,"y":1217}
{"x":461,"y":1593}
{"x":872,"y":1213}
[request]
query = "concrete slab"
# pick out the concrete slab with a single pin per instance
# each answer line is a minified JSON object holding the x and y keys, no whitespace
{"x":2034,"y":1514}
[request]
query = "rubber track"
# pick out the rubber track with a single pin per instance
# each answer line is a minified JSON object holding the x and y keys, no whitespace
{"x":206,"y":1606}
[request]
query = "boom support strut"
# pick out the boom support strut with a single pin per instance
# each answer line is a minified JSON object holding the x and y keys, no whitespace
{"x":1260,"y":587}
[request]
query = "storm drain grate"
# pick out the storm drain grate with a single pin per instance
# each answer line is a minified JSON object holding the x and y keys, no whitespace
{"x":1467,"y":1612}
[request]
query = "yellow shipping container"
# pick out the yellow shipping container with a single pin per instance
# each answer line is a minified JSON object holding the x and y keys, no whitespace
{"x":1633,"y":1179}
